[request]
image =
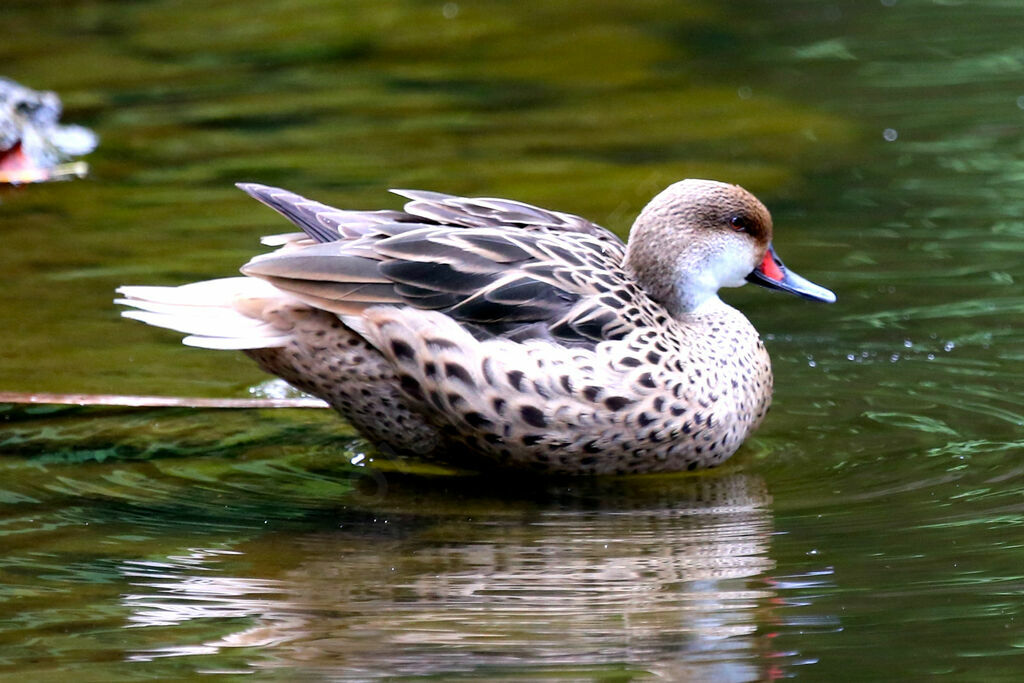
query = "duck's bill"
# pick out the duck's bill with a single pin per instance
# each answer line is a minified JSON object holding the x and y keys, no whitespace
{"x":16,"y":168}
{"x":773,"y":274}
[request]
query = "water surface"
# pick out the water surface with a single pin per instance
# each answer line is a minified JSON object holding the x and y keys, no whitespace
{"x":871,"y":530}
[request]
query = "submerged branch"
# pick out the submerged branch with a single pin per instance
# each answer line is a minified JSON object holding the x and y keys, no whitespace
{"x":156,"y":401}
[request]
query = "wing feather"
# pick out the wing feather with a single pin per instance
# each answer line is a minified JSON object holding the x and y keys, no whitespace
{"x":499,"y":266}
{"x":328,"y":262}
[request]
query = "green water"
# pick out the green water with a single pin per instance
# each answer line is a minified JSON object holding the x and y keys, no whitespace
{"x":872,"y":530}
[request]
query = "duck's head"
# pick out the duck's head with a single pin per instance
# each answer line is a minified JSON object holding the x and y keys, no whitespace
{"x":33,"y":146}
{"x":699,"y":235}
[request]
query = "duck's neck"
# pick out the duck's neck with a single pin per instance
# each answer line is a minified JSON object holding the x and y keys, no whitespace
{"x":694,"y":294}
{"x":683,"y":292}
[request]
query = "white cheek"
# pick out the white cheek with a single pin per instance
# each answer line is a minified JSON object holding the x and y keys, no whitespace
{"x":731,"y":266}
{"x":701,"y":274}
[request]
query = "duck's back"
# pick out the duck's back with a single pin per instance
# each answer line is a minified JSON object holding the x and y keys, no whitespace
{"x":499,"y":268}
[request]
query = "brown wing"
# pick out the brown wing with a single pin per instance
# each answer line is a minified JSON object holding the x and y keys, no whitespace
{"x":500,"y":267}
{"x":325,"y":223}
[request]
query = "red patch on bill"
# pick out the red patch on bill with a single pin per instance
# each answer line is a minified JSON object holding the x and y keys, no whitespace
{"x":16,"y":168}
{"x":770,"y":269}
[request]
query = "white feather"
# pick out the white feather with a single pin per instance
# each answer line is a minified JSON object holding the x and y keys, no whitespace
{"x":210,"y":312}
{"x":234,"y":343}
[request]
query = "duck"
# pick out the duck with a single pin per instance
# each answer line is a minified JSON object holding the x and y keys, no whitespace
{"x":491,"y":334}
{"x":33,"y":145}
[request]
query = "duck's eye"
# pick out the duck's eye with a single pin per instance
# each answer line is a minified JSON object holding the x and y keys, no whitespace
{"x":740,"y":224}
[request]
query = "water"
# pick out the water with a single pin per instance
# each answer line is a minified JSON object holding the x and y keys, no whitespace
{"x":872,"y":528}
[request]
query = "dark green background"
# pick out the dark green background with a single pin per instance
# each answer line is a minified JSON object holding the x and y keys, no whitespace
{"x":872,"y":530}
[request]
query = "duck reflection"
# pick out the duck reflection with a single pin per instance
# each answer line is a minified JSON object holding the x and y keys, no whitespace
{"x":657,"y":576}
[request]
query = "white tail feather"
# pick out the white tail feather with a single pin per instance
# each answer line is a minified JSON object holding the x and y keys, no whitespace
{"x":210,"y":312}
{"x":234,"y":343}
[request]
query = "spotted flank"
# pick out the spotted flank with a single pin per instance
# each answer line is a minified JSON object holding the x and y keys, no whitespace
{"x":489,"y":333}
